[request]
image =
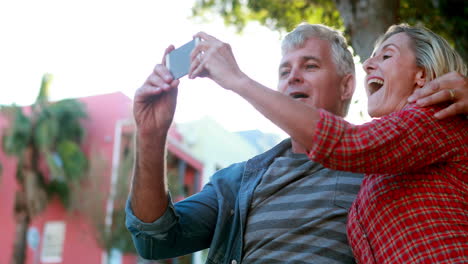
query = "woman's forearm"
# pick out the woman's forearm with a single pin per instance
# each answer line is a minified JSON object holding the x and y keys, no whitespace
{"x":297,"y":119}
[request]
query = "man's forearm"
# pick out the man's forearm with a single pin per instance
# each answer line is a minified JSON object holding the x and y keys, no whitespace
{"x":149,"y":190}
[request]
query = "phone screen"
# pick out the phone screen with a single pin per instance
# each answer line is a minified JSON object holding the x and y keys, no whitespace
{"x":178,"y":60}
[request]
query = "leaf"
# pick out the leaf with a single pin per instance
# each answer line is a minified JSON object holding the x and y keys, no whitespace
{"x":277,"y":15}
{"x":74,"y":161}
{"x":69,"y":112}
{"x":119,"y":237}
{"x":446,"y":18}
{"x":68,"y":108}
{"x":46,"y":133}
{"x":61,"y":189}
{"x":16,"y":139}
{"x":43,"y":96}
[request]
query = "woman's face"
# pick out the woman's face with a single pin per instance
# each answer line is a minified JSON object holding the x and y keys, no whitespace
{"x":392,"y":75}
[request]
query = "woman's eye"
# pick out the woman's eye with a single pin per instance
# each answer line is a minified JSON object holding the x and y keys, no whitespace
{"x":386,"y":57}
{"x":311,"y":66}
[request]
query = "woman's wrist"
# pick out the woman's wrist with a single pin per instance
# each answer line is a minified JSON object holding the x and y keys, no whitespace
{"x":243,"y":85}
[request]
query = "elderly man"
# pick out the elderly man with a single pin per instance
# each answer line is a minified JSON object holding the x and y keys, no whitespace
{"x":278,"y":207}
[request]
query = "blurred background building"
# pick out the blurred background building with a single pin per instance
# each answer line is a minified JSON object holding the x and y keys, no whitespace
{"x":93,"y":231}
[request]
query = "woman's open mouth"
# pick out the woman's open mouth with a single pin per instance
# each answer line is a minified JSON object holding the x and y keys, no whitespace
{"x":374,"y":85}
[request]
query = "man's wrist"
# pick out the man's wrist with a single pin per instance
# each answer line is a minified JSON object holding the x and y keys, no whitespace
{"x":151,"y":137}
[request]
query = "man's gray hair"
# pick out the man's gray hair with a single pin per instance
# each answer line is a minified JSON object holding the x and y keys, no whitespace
{"x":342,"y":57}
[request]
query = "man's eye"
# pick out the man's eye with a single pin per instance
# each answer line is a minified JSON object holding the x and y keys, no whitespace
{"x":386,"y":57}
{"x":311,"y":66}
{"x":283,"y":73}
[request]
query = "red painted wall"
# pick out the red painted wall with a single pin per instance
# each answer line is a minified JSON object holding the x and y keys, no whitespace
{"x":80,"y":245}
{"x":7,"y":199}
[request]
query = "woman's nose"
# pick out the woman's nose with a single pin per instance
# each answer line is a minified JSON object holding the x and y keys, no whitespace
{"x":368,"y":65}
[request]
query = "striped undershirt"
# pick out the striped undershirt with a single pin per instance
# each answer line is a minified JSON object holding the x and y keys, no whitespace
{"x":298,"y":213}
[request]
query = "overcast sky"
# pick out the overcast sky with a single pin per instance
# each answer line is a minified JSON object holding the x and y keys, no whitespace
{"x":96,"y":47}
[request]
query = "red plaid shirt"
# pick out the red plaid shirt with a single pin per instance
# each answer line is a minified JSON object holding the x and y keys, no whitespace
{"x":413,"y":202}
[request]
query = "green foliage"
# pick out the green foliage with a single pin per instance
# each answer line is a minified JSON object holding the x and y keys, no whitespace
{"x":45,"y":133}
{"x":277,"y":15}
{"x":286,"y":14}
{"x":43,"y":96}
{"x":61,"y":189}
{"x":51,"y":132}
{"x":74,"y":161}
{"x":92,"y":198}
{"x":18,"y":137}
{"x":176,"y":188}
{"x":119,"y":236}
{"x":445,"y":17}
{"x":68,"y":114}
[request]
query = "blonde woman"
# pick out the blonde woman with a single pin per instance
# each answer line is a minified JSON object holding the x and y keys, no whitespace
{"x":413,"y":203}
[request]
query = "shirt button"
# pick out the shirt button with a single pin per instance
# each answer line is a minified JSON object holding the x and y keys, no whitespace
{"x":233,"y":261}
{"x":232,"y":212}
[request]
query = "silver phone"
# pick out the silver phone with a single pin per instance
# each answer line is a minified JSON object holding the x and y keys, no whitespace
{"x":178,"y":60}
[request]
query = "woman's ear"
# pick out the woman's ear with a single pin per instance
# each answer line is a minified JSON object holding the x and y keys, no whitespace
{"x":348,"y":83}
{"x":420,"y":78}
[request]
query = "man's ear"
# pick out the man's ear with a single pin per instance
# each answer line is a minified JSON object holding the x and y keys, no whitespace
{"x":347,"y":86}
{"x":420,"y":78}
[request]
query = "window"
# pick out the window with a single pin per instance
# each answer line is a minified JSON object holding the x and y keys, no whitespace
{"x":52,"y":244}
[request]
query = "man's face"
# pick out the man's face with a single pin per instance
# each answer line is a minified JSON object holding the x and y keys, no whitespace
{"x":309,"y":74}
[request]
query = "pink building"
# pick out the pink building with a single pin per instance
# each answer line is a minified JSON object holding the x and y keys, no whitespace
{"x":70,"y":237}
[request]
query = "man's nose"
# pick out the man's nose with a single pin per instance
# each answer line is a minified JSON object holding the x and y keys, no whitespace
{"x":369,"y":65}
{"x":295,"y":77}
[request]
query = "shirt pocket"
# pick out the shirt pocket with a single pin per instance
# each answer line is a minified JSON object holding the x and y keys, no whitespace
{"x":346,"y":188}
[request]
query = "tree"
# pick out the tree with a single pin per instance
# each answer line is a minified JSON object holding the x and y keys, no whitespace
{"x":46,"y":142}
{"x":361,"y":20}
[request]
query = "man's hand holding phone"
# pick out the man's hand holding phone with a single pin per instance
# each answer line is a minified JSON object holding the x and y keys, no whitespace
{"x":155,"y":101}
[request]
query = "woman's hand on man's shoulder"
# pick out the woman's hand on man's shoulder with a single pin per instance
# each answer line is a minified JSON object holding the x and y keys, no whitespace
{"x":450,"y":87}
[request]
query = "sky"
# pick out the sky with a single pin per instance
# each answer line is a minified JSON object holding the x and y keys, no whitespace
{"x":102,"y":46}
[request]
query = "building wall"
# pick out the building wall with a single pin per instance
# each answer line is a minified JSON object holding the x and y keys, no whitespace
{"x":214,"y":145}
{"x":7,"y":199}
{"x":80,"y":244}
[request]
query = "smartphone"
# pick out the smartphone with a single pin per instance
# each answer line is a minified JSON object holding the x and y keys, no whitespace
{"x":178,"y":60}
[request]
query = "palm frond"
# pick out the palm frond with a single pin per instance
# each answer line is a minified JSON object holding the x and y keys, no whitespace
{"x":18,"y":136}
{"x":43,"y":96}
{"x":74,"y":160}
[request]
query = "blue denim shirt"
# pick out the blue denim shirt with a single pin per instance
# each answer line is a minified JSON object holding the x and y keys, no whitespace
{"x":214,"y":218}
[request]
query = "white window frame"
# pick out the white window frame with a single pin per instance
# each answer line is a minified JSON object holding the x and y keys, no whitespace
{"x":53,"y":241}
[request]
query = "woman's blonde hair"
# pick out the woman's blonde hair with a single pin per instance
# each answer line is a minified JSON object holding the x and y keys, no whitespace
{"x":433,"y":53}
